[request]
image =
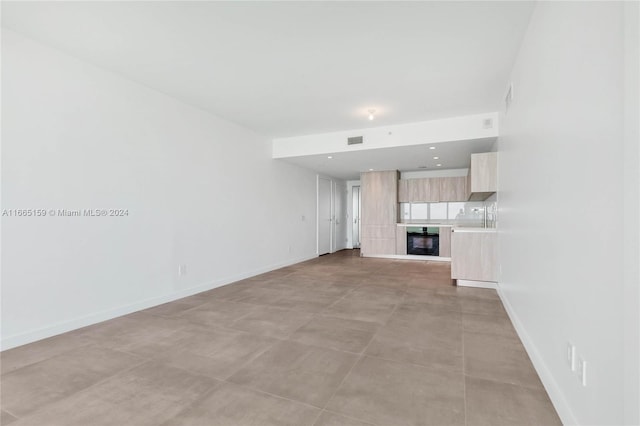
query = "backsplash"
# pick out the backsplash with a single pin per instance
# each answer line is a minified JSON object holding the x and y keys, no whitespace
{"x":470,"y":213}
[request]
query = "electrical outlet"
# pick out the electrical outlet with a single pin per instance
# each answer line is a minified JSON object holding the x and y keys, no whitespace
{"x":182,"y":270}
{"x":571,"y":356}
{"x":581,"y":366}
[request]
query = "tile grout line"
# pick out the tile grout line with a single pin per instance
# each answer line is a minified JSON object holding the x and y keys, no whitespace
{"x":13,"y":415}
{"x":350,"y":369}
{"x":445,"y":369}
{"x":221,"y":381}
{"x":272,"y":394}
{"x":464,"y":375}
{"x":278,"y":341}
{"x":349,"y":417}
{"x":502,"y":382}
{"x":89,"y":343}
{"x":358,"y":357}
{"x":362,"y":355}
{"x":199,"y":399}
{"x":339,"y":299}
{"x":126,"y":370}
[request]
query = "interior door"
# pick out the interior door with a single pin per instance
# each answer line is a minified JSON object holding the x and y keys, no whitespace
{"x":356,"y":216}
{"x":325,"y":230}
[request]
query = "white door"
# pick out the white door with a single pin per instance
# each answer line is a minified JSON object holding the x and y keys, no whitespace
{"x":325,"y":230}
{"x":356,"y":217}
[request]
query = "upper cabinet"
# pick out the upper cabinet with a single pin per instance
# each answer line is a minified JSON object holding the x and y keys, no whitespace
{"x":404,"y":196}
{"x":432,"y":190}
{"x":483,"y":176}
{"x":424,"y":190}
{"x":453,"y":188}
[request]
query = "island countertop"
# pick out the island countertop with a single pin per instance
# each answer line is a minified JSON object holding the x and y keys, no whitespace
{"x":472,"y":229}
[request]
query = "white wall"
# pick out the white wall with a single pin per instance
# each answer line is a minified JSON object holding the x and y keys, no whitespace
{"x":632,"y":212}
{"x":561,"y":235}
{"x":199,"y":190}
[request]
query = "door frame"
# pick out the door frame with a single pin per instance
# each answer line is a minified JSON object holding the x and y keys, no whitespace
{"x":332,"y":214}
{"x":355,"y":225}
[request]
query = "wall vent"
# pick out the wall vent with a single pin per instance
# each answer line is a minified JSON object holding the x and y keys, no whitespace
{"x":354,"y":140}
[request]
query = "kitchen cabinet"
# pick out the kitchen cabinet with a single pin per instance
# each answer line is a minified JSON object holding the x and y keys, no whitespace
{"x":379,"y":212}
{"x":432,"y":190}
{"x":401,"y":240}
{"x":444,"y":234}
{"x":453,"y":188}
{"x":482,"y":180}
{"x":474,"y":255}
{"x":403,"y":191}
{"x":423,"y":190}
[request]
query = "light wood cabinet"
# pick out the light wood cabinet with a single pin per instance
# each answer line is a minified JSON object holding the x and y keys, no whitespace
{"x":483,"y":176}
{"x":474,"y":256}
{"x":453,"y":188}
{"x":403,"y":191}
{"x":444,"y":235}
{"x":432,"y":190}
{"x":401,"y":240}
{"x":379,"y":212}
{"x":379,"y":231}
{"x":424,"y":190}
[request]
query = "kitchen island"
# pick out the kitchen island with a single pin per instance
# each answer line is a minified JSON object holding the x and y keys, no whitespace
{"x":474,"y":257}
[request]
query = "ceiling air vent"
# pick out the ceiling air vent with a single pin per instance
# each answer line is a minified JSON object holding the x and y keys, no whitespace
{"x":354,"y":140}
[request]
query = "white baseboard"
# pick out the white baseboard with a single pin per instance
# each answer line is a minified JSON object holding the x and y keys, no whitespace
{"x":548,"y":381}
{"x":477,"y":284}
{"x":76,"y":323}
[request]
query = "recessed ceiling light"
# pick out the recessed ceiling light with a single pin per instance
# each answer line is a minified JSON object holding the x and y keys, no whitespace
{"x":370,"y":170}
{"x":436,"y":158}
{"x":438,"y":165}
{"x":330,"y":157}
{"x":432,"y":147}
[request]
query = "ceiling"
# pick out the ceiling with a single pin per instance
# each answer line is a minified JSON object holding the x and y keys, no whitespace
{"x":294,"y":68}
{"x":348,"y":165}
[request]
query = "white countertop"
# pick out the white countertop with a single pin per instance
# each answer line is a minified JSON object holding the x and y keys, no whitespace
{"x":430,"y":225}
{"x":478,"y":229}
{"x":444,"y":225}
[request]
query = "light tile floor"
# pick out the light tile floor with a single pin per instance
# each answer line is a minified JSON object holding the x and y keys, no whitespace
{"x":339,"y":340}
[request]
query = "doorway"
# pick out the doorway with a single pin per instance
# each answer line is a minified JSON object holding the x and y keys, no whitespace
{"x":325,"y":216}
{"x":356,"y":217}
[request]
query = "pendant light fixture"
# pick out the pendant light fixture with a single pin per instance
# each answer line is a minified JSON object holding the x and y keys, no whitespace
{"x":371,"y":114}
